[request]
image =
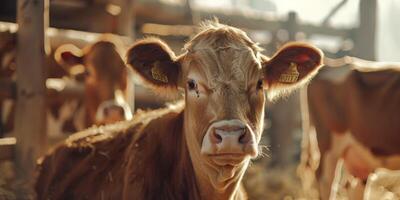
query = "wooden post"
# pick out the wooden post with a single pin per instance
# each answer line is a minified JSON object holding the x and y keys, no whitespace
{"x":124,"y":16}
{"x":30,"y":119}
{"x":333,"y":12}
{"x":285,"y":115}
{"x":365,"y":37}
{"x":292,"y":25}
{"x":124,"y":25}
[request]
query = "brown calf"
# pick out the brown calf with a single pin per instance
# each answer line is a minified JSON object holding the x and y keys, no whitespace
{"x":106,"y":82}
{"x":196,"y":149}
{"x":98,"y":65}
{"x":355,"y":119}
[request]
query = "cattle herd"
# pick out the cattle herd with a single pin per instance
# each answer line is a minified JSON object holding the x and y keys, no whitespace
{"x":199,"y":147}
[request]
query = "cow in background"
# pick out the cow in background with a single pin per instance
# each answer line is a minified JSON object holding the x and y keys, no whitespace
{"x":101,"y":64}
{"x":106,"y":82}
{"x":354,"y":122}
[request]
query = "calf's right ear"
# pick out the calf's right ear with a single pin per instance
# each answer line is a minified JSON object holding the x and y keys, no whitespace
{"x":156,"y":63}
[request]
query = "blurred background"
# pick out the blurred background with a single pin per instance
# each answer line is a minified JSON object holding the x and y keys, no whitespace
{"x":60,"y":78}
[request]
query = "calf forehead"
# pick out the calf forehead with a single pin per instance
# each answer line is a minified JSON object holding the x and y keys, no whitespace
{"x":224,"y":54}
{"x":225,"y":66}
{"x":105,"y":59}
{"x":104,"y":51}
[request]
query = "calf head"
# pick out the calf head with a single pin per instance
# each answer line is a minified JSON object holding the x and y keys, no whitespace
{"x":223,"y":75}
{"x":106,"y":80}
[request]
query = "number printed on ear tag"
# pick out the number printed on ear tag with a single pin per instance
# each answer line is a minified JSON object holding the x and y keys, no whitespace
{"x":291,"y":75}
{"x":157,"y":74}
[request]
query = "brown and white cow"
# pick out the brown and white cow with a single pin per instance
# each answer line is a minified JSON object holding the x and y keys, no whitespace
{"x":354,"y":121}
{"x":196,"y":149}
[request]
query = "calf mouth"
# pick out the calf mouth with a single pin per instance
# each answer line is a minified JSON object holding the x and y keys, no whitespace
{"x":228,"y":159}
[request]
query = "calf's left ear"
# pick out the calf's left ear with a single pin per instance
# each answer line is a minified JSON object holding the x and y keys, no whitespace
{"x":294,"y":64}
{"x":155,"y":63}
{"x":68,"y":55}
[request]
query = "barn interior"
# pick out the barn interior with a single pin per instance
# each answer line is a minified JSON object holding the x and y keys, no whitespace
{"x":44,"y":100}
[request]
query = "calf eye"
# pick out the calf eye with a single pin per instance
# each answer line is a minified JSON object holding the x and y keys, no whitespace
{"x":192,"y":85}
{"x":260,"y":84}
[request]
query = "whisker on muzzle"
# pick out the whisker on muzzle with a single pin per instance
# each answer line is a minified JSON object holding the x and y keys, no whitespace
{"x":263,"y":151}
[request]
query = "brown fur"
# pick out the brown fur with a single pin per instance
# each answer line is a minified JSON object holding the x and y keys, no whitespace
{"x":106,"y":71}
{"x":157,"y":154}
{"x":364,"y":104}
{"x":105,"y":154}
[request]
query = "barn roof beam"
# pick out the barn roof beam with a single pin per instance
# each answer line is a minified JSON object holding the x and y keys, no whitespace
{"x":333,"y":12}
{"x":172,"y":14}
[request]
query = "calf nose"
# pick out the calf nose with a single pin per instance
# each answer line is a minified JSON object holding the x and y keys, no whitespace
{"x":114,"y":113}
{"x":230,"y":135}
{"x":110,"y":112}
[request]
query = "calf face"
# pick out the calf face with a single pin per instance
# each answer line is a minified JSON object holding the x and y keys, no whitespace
{"x":223,"y":75}
{"x":106,"y":82}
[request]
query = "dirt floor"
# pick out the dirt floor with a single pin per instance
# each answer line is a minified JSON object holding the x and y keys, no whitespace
{"x":273,"y":183}
{"x":7,"y":177}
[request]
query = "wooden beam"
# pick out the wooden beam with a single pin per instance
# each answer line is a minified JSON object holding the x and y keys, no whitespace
{"x":365,"y":38}
{"x":333,"y":12}
{"x":7,"y":148}
{"x":30,"y":118}
{"x":87,"y":18}
{"x":58,"y":36}
{"x":56,"y":88}
{"x":168,"y":14}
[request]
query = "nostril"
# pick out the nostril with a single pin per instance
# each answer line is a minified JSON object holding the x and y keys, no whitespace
{"x":216,"y":138}
{"x":244,"y":137}
{"x":241,"y":138}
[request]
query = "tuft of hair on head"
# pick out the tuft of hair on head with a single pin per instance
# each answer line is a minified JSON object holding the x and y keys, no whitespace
{"x":212,"y":30}
{"x":211,"y":24}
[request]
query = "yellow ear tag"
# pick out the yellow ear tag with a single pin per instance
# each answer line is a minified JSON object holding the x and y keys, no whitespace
{"x":157,"y":74}
{"x":291,"y":75}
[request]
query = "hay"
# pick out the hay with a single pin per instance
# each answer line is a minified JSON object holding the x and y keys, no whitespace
{"x":263,"y":183}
